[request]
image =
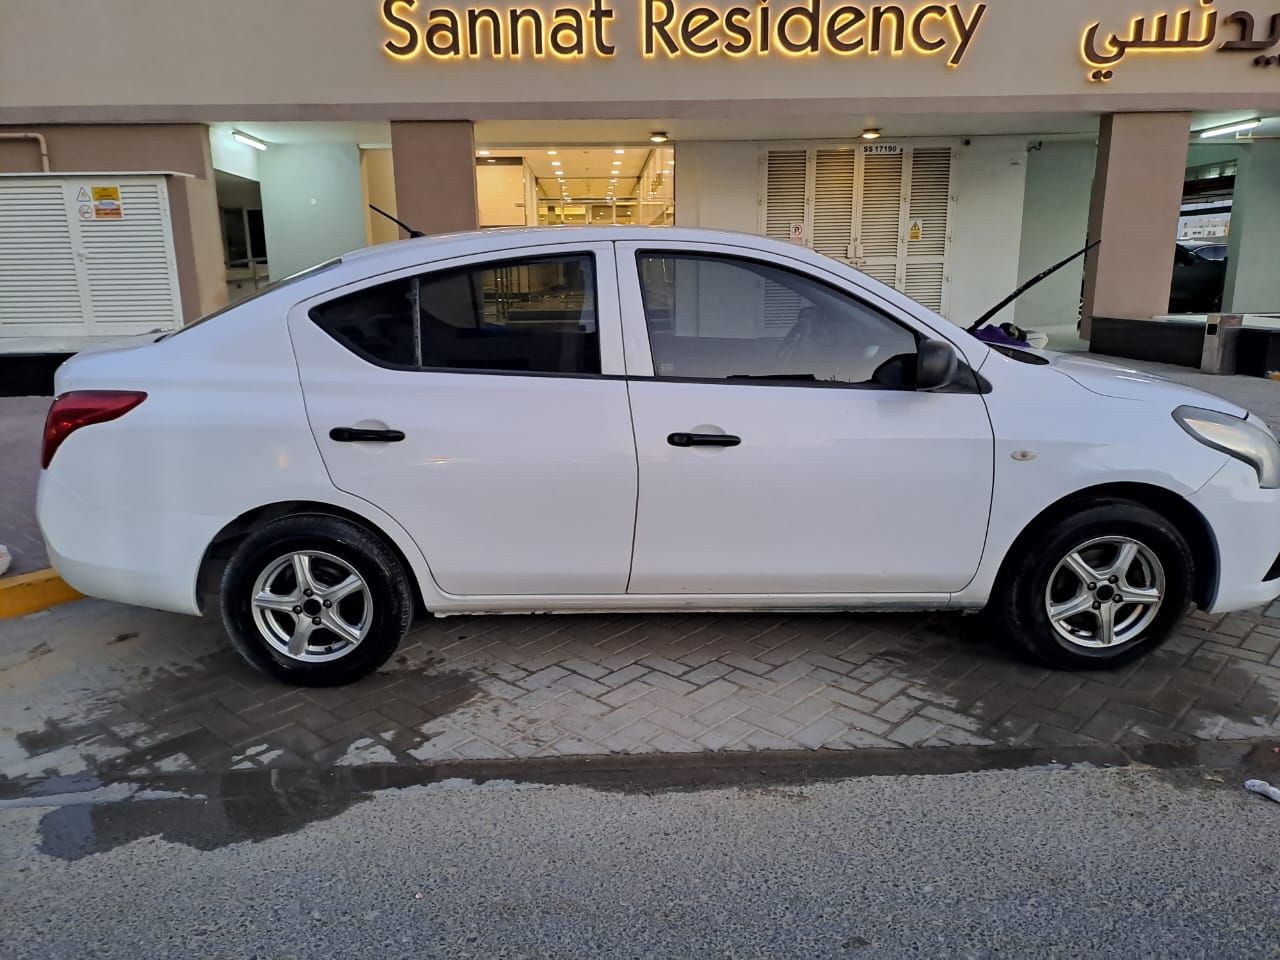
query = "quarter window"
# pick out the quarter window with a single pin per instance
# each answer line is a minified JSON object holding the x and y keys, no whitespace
{"x":722,"y":318}
{"x":517,"y":316}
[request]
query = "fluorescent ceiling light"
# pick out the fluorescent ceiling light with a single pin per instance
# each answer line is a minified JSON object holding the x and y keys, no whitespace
{"x":1240,"y":127}
{"x":553,"y":153}
{"x":247,"y":140}
{"x":619,"y":152}
{"x":483,"y":153}
{"x":555,"y":163}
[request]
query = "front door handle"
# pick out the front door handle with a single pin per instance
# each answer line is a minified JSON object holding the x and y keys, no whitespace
{"x":357,"y":435}
{"x":703,"y":440}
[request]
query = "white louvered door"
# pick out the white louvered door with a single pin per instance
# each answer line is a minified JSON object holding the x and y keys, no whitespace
{"x":924,"y":261}
{"x":788,"y":201}
{"x":41,"y":285}
{"x":878,"y":239}
{"x":66,"y":273}
{"x":883,"y":208}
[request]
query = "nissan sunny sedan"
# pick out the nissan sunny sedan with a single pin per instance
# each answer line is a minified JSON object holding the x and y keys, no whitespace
{"x":646,"y":420}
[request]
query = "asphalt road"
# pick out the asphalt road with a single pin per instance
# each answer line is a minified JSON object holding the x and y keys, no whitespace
{"x":1029,"y":863}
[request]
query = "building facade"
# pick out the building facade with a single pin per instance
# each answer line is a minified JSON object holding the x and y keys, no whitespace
{"x":160,"y":158}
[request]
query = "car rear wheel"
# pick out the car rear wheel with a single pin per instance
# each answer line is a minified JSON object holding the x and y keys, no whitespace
{"x":315,"y":600}
{"x":1098,"y":588}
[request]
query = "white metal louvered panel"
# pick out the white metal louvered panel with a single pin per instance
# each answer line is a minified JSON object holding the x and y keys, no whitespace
{"x":924,"y":283}
{"x":834,"y":200}
{"x":930,"y":200}
{"x":880,"y":213}
{"x":786,"y":191}
{"x":40,"y":290}
{"x":786,"y":202}
{"x":129,"y":264}
{"x":930,"y":209}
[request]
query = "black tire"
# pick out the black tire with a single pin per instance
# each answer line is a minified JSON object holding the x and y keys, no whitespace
{"x":388,"y":596}
{"x":1019,"y":604}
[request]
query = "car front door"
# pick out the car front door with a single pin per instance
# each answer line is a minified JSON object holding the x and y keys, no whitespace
{"x":480,"y":403}
{"x":782,"y":448}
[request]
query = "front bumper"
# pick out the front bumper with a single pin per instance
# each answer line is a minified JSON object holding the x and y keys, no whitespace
{"x":1245,"y":522}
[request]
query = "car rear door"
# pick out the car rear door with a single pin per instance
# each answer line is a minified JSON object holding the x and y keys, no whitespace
{"x":779,"y":451}
{"x":480,"y":402}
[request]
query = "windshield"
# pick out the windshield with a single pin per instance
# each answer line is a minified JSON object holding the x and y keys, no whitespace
{"x":269,"y":288}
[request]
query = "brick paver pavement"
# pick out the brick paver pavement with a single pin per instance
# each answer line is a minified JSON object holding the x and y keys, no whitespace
{"x":100,"y":688}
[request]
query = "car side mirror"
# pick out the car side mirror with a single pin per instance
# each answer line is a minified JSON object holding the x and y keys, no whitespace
{"x":936,"y":364}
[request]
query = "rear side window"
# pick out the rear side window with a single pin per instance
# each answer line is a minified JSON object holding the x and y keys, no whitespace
{"x":518,"y":316}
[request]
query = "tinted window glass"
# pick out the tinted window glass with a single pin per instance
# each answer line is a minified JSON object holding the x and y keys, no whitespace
{"x":523,"y":316}
{"x":726,"y":318}
{"x":376,"y":323}
{"x":536,"y":316}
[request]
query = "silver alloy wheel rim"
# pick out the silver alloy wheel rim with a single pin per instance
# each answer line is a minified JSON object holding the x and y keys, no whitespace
{"x":312,"y":606}
{"x":1105,"y":592}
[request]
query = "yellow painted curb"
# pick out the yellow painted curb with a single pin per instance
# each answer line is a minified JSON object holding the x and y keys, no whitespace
{"x":31,"y":592}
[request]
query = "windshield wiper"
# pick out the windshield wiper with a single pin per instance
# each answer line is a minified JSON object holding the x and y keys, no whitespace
{"x":1038,"y":278}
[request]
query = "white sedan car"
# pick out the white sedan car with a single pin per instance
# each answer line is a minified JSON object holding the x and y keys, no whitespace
{"x":633,"y":419}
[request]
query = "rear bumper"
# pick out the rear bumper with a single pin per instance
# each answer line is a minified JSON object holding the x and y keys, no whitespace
{"x":1245,"y":521}
{"x":150,"y":559}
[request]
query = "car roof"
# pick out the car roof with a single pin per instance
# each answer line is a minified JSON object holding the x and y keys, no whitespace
{"x":478,"y":241}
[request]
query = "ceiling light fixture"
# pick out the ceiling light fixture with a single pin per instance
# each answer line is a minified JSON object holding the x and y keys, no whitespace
{"x":871,"y":133}
{"x":658,"y":136}
{"x":619,"y":152}
{"x":1242,"y":127}
{"x":553,"y":153}
{"x":247,"y":140}
{"x":555,"y":163}
{"x":483,"y":153}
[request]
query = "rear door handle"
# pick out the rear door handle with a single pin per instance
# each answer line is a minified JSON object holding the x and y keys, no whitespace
{"x":356,"y":435}
{"x":703,"y":440}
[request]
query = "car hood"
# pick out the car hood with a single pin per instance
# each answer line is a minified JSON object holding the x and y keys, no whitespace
{"x":1126,"y":383}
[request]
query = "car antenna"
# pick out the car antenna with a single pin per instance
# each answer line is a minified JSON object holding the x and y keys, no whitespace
{"x":978,"y":324}
{"x":413,"y":234}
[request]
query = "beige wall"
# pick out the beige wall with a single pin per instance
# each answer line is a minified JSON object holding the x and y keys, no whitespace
{"x":325,"y":59}
{"x":435,"y":172}
{"x":1137,"y":196}
{"x":500,"y":195}
{"x":379,"y":181}
{"x":193,"y":202}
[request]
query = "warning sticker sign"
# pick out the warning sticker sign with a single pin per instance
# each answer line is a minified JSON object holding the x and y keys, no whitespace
{"x":106,"y":203}
{"x":82,"y":196}
{"x":917,"y":230}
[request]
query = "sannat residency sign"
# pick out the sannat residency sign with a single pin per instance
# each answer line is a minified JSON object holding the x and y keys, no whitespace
{"x":668,"y":28}
{"x":419,"y":30}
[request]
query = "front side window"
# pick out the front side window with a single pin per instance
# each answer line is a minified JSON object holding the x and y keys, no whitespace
{"x":518,"y":316}
{"x":726,"y":318}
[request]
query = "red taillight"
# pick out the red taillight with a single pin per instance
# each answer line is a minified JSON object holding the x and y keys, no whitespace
{"x":79,"y":408}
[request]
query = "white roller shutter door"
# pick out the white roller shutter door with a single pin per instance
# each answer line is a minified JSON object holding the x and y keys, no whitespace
{"x":68,"y":272}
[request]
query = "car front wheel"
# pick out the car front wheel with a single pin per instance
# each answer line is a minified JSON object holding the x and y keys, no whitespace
{"x":1097,"y":589}
{"x":315,"y":600}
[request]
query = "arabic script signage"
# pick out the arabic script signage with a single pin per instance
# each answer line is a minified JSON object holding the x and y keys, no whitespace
{"x":1184,"y":32}
{"x":671,"y":29}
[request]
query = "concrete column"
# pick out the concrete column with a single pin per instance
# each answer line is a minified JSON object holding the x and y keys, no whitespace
{"x":1253,"y":278}
{"x":137,"y":148}
{"x":435,"y":175}
{"x":1137,"y":196}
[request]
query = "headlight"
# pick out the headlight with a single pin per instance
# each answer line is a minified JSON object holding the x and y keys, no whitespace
{"x":1241,"y":439}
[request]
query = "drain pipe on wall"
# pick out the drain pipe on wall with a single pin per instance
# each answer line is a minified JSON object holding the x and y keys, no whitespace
{"x":40,"y":141}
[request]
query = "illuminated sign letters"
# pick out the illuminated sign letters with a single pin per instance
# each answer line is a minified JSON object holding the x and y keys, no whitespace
{"x":1183,"y":32}
{"x":672,"y":29}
